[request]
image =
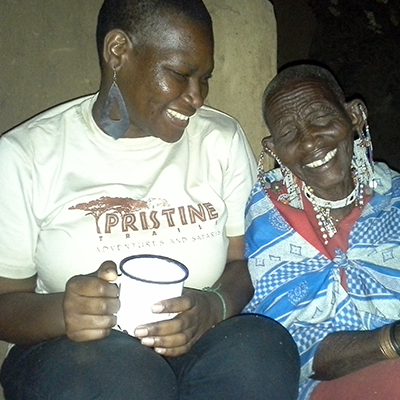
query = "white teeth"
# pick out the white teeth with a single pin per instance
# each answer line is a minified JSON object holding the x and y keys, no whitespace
{"x":177,"y":115}
{"x":323,"y":161}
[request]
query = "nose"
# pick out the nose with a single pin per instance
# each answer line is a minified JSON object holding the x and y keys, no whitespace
{"x":309,"y":137}
{"x":195,"y":93}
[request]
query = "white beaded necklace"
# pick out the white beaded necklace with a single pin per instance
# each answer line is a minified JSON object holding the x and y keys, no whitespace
{"x":323,"y":208}
{"x":308,"y":192}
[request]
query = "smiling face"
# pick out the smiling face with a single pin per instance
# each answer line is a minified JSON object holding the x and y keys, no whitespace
{"x":312,"y":134}
{"x":164,"y":81}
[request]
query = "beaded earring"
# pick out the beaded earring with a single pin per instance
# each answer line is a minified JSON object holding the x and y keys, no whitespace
{"x":363,"y":153}
{"x":293,"y":195}
{"x":115,"y":103}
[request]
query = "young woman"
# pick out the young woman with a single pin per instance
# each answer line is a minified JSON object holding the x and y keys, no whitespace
{"x":140,"y":167}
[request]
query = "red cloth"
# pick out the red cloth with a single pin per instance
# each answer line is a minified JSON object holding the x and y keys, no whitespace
{"x":379,"y":381}
{"x":306,"y":224}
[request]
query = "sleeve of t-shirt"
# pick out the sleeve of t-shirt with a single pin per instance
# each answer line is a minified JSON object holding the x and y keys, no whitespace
{"x":18,"y":227}
{"x":239,"y":177}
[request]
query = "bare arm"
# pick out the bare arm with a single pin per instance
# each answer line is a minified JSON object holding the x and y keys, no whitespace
{"x":341,"y":353}
{"x":235,"y":283}
{"x":26,"y":317}
{"x":84,"y":312}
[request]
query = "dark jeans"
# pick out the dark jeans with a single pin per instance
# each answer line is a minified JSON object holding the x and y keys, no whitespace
{"x":244,"y":357}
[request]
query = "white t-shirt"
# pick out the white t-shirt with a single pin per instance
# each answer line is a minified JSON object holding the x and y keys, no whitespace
{"x":72,"y":197}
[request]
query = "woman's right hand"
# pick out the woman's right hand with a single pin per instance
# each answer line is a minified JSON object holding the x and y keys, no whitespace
{"x":90,"y":304}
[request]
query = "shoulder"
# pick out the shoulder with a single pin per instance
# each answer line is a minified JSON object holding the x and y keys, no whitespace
{"x":222,"y":137}
{"x":209,"y":120}
{"x":387,"y":180}
{"x":259,"y":200}
{"x":259,"y":193}
{"x":48,"y":124}
{"x":265,"y":180}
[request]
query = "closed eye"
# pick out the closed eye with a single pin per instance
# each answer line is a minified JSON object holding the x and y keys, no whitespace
{"x":287,"y":131}
{"x":321,"y":118}
{"x":287,"y":135}
{"x":181,"y":76}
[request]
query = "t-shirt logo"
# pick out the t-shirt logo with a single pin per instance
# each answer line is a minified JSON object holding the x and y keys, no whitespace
{"x":128,"y":214}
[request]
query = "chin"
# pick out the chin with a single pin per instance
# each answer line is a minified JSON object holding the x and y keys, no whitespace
{"x":170,"y":138}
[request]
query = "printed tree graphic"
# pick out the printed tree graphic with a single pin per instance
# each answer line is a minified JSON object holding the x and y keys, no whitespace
{"x":120,"y":205}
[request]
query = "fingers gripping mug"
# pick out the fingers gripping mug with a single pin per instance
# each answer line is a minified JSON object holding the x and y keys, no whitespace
{"x":145,"y":280}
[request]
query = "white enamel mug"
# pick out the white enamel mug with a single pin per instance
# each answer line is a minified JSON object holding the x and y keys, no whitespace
{"x":144,"y":280}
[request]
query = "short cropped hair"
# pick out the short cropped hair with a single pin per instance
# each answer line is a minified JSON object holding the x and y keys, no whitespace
{"x":142,"y":17}
{"x":302,"y":72}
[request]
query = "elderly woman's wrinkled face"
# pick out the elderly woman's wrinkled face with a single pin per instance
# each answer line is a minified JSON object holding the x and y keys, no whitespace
{"x":312,"y":133}
{"x":165,"y":81}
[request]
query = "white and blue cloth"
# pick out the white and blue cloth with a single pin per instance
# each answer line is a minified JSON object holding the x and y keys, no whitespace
{"x":301,"y":288}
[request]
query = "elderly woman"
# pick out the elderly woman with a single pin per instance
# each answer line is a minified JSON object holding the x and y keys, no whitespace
{"x":323,"y":239}
{"x":140,"y":167}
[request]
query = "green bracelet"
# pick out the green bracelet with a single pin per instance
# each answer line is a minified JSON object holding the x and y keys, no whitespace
{"x":208,"y":289}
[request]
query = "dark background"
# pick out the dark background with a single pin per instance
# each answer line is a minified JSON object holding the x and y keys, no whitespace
{"x":359,"y":40}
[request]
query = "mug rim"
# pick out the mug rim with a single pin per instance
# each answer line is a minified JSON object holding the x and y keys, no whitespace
{"x":171,"y":260}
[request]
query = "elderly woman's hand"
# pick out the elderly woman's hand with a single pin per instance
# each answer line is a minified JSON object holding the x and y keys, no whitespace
{"x":90,"y":304}
{"x":198,"y":312}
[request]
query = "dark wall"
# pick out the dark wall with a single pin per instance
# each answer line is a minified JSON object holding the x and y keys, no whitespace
{"x":360,"y":41}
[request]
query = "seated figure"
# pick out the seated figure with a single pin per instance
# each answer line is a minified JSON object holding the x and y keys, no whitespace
{"x":322,"y":239}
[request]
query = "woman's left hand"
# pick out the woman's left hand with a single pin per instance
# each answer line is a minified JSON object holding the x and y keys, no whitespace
{"x":197,"y":312}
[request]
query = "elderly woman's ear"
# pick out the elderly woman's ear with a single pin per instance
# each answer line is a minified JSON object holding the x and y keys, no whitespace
{"x":357,"y":112}
{"x":268,"y":143}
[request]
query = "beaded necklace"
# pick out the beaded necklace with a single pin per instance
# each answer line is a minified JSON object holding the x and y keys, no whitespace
{"x":323,"y":207}
{"x":361,"y":170}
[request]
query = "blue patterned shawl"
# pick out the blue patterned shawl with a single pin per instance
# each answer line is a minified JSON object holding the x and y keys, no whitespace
{"x":299,"y":287}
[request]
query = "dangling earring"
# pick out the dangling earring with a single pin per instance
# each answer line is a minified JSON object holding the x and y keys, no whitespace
{"x":293,"y":195}
{"x":114,"y":116}
{"x":363,"y":153}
